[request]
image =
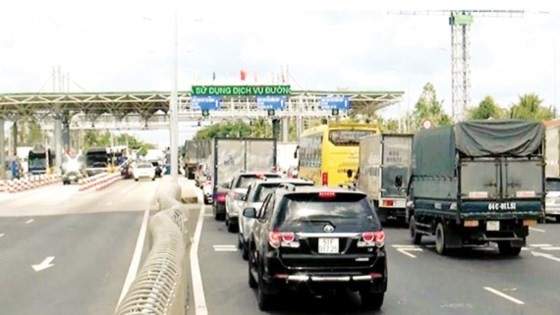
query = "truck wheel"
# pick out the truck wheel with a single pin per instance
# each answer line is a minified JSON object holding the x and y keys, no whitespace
{"x":441,"y":246}
{"x":416,"y":237}
{"x":506,"y":249}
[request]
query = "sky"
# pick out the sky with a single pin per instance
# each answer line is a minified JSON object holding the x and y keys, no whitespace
{"x":128,"y":45}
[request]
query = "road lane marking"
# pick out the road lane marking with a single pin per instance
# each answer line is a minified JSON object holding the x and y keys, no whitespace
{"x":550,"y":248}
{"x":198,"y":289}
{"x":547,"y":256}
{"x":29,"y":221}
{"x":1,"y":234}
{"x":540,"y":245}
{"x":135,"y":262}
{"x":225,"y":248}
{"x":403,"y":249}
{"x":505,"y":296}
{"x":536,"y":230}
{"x":45,"y":264}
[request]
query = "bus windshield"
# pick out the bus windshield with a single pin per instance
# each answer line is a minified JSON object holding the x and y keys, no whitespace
{"x":348,"y":137}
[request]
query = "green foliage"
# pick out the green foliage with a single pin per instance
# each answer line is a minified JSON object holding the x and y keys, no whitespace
{"x":390,"y":126}
{"x":487,"y":109}
{"x":429,"y":107}
{"x":530,"y":107}
{"x":225,"y":129}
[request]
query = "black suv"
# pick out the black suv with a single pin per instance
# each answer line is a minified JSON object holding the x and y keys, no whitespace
{"x":319,"y":239}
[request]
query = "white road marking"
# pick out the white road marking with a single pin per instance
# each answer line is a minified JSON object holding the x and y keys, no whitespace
{"x":403,"y":249}
{"x":547,"y":256}
{"x":540,"y":245}
{"x":550,"y":248}
{"x":505,"y":296}
{"x":29,"y":221}
{"x":46,"y":263}
{"x":1,"y":234}
{"x":135,"y":262}
{"x":536,"y":230}
{"x":198,"y":289}
{"x":225,"y":248}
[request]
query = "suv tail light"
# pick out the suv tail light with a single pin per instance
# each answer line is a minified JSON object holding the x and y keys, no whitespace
{"x":325,"y":179}
{"x":284,"y":239}
{"x":221,"y":197}
{"x":370,"y":239}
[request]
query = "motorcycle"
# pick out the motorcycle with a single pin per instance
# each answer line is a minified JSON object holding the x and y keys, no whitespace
{"x":207,"y":192}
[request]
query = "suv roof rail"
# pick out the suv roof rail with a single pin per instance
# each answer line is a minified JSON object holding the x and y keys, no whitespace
{"x":349,"y":187}
{"x":288,"y":186}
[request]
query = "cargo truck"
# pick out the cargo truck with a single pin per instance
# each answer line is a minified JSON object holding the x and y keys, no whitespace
{"x":384,"y":170}
{"x":552,"y":170}
{"x":231,"y":156}
{"x":477,"y":182}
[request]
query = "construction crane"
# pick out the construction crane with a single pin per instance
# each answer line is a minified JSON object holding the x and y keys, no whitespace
{"x":460,"y":22}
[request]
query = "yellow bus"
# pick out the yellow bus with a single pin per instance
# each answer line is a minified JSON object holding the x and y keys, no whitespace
{"x":329,"y":154}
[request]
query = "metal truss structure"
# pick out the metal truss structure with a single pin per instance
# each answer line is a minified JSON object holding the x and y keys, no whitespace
{"x":149,"y":110}
{"x":460,"y":22}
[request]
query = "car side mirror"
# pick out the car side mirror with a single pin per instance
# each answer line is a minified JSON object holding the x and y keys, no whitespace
{"x":250,"y":213}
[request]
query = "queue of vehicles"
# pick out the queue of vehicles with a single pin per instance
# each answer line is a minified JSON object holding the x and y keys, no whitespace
{"x":466,"y":185}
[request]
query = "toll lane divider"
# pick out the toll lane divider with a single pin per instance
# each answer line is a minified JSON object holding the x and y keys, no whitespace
{"x":108,"y":181}
{"x":27,"y":183}
{"x":160,"y":285}
{"x":94,"y":181}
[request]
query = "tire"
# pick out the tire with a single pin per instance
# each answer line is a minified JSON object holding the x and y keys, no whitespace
{"x":251,"y":280}
{"x":506,"y":249}
{"x":153,"y":178}
{"x":245,"y":251}
{"x":231,"y":226}
{"x":263,"y":299}
{"x":372,"y":301}
{"x":441,"y":246}
{"x":136,"y":179}
{"x":416,"y":237}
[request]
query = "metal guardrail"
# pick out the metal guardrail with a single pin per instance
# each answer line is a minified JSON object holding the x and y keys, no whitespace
{"x":160,"y":286}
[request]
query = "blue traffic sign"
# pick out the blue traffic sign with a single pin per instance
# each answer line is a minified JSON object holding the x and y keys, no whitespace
{"x":335,"y":102}
{"x":205,"y":102}
{"x":271,"y":102}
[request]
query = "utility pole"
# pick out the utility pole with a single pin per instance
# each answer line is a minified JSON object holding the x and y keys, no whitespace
{"x":460,"y":22}
{"x":174,"y":108}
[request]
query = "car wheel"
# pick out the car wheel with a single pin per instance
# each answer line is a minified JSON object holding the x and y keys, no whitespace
{"x":245,"y":251}
{"x":372,"y":301}
{"x":506,"y":249}
{"x":136,"y":179}
{"x":252,"y":282}
{"x":441,"y":246}
{"x":416,"y":237}
{"x":153,"y":178}
{"x":263,"y":299}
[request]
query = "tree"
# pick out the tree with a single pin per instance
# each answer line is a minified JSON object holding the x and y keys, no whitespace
{"x":224,"y":129}
{"x":486,"y":109}
{"x":429,"y":107}
{"x":530,"y":107}
{"x":390,"y":125}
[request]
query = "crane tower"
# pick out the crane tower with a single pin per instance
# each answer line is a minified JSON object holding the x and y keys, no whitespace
{"x":460,"y":22}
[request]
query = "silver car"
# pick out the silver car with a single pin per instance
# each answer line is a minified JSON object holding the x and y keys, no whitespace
{"x":256,"y":193}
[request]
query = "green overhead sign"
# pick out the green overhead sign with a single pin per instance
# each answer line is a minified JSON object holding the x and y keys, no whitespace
{"x":240,"y":90}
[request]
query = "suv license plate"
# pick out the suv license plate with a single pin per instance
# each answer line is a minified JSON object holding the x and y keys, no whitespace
{"x":328,"y":245}
{"x":493,"y":226}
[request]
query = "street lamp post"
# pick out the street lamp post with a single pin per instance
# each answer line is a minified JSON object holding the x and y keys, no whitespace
{"x":174,"y":108}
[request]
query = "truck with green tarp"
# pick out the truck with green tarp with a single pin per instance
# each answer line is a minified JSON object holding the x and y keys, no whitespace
{"x":477,"y":182}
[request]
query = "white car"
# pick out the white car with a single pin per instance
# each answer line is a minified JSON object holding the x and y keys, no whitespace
{"x":552,"y":205}
{"x":144,"y":170}
{"x":256,"y":193}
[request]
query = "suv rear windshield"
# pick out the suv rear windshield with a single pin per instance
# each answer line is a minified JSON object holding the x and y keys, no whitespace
{"x":307,"y":212}
{"x":264,"y":189}
{"x":245,"y":180}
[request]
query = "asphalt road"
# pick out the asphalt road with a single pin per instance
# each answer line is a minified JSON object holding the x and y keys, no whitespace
{"x":420,"y":281}
{"x":89,"y":236}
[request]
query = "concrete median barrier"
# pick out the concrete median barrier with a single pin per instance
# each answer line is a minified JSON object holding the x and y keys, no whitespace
{"x":160,"y":285}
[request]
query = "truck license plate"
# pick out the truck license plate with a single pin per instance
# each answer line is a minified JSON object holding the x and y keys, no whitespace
{"x":328,"y":245}
{"x":493,"y":226}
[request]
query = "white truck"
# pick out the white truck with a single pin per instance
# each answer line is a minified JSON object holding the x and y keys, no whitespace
{"x":384,"y":171}
{"x":552,"y":170}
